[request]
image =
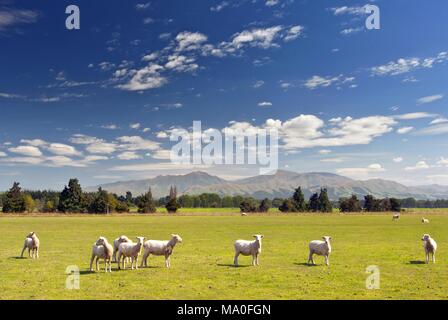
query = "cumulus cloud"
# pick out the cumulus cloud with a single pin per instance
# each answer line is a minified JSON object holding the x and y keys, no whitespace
{"x":404,"y":130}
{"x":10,"y":18}
{"x":421,"y":165}
{"x":265,"y":104}
{"x":30,"y":151}
{"x":317,"y":81}
{"x":405,"y":65}
{"x":360,"y":173}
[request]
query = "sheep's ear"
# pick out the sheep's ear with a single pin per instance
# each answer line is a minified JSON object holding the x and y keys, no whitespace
{"x":262,"y":236}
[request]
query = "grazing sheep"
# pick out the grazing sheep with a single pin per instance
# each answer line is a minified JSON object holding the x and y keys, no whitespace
{"x":102,"y":249}
{"x":248,"y":248}
{"x":32,"y":244}
{"x":395,"y":217}
{"x":160,"y":248}
{"x":321,"y":248}
{"x":117,"y":243}
{"x":130,"y":250}
{"x":430,"y":246}
{"x":424,"y":220}
{"x":243,"y":214}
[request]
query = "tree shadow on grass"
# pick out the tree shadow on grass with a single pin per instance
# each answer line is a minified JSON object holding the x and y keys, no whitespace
{"x":229,"y":265}
{"x":416,"y":262}
{"x":306,"y":264}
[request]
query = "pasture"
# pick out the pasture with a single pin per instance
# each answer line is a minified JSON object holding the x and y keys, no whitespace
{"x":201,"y":267}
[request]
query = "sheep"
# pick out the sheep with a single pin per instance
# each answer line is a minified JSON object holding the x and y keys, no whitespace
{"x":395,"y":217}
{"x":430,"y":247}
{"x":32,"y":244}
{"x":160,"y":248}
{"x":243,"y":214}
{"x":321,"y":248}
{"x":117,"y":243}
{"x":102,"y":249}
{"x":424,"y":220}
{"x":248,"y":248}
{"x":130,"y":250}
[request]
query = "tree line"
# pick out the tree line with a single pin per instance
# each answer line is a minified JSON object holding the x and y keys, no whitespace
{"x":73,"y":199}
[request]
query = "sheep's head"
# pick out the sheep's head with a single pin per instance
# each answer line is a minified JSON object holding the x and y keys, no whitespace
{"x":258,"y":237}
{"x":176,"y":237}
{"x":123,"y":238}
{"x":140,"y":239}
{"x":426,"y":237}
{"x":101,"y":241}
{"x":326,"y":239}
{"x":31,"y":234}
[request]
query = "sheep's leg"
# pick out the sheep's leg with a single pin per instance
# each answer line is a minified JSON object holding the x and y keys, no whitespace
{"x":23,"y":250}
{"x":97,"y":263}
{"x":427,"y":257}
{"x":91,"y":262}
{"x":132,"y":263}
{"x":144,"y":260}
{"x":235,"y":260}
{"x":136,"y":263}
{"x":29,"y":252}
{"x":167,"y":261}
{"x":37,"y":253}
{"x":114,"y":256}
{"x":256,"y":260}
{"x":310,"y":258}
{"x":327,"y":260}
{"x":434,"y":257}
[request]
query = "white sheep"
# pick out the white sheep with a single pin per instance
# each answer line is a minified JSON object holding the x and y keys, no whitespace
{"x":321,"y":248}
{"x":160,"y":248}
{"x":102,"y":249}
{"x":117,"y":243}
{"x":395,"y":217}
{"x":243,"y":214}
{"x":130,"y":250}
{"x":248,"y":248}
{"x":424,"y":220}
{"x":430,"y":247}
{"x":32,"y":244}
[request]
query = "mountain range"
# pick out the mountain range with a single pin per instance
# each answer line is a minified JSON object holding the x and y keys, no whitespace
{"x":281,"y":185}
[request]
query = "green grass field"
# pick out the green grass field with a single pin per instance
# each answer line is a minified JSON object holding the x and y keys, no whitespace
{"x":201,"y":266}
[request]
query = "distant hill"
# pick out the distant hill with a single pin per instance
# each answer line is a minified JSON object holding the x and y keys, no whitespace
{"x":280,"y":185}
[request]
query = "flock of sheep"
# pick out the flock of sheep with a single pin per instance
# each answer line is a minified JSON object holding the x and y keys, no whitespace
{"x":125,"y":250}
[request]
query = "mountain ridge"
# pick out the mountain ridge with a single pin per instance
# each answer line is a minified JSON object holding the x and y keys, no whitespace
{"x":282,"y":185}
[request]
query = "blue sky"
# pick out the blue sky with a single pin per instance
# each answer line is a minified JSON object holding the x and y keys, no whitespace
{"x":99,"y":103}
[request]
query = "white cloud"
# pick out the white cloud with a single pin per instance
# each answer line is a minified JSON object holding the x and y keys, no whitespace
{"x":293,"y":33}
{"x":29,"y":151}
{"x":356,"y":10}
{"x":187,"y":41}
{"x":429,"y":99}
{"x":136,"y":143}
{"x":350,"y":31}
{"x":265,"y":104}
{"x":434,"y":130}
{"x":421,"y":165}
{"x":146,"y":78}
{"x":258,"y":84}
{"x":438,"y":121}
{"x":135,"y":126}
{"x":129,"y":155}
{"x":324,"y":151}
{"x":317,"y":81}
{"x":405,"y":65}
{"x":271,"y":3}
{"x":398,"y":159}
{"x":181,"y":63}
{"x":220,"y":6}
{"x":2,"y":154}
{"x":62,"y":149}
{"x":10,"y":18}
{"x":415,"y":116}
{"x":404,"y":130}
{"x":360,"y":173}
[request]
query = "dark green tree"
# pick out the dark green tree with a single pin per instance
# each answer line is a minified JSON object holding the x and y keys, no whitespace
{"x":324,"y":202}
{"x":287,"y":206}
{"x":351,"y":204}
{"x":395,"y":205}
{"x":249,"y":205}
{"x":146,"y":203}
{"x":14,"y":201}
{"x":129,"y":198}
{"x":265,"y":205}
{"x":100,"y":203}
{"x":299,"y":200}
{"x":70,"y":199}
{"x":314,"y":204}
{"x":172,"y":205}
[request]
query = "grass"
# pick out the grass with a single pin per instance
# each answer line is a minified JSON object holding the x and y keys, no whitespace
{"x":201,"y":266}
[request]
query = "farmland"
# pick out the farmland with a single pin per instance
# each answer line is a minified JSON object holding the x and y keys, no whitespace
{"x":201,"y":266}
